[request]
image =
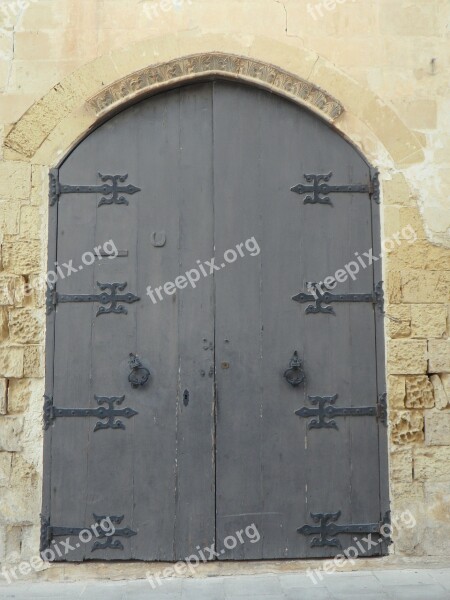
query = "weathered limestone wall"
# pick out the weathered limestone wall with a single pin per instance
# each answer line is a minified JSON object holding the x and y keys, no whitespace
{"x":386,"y":61}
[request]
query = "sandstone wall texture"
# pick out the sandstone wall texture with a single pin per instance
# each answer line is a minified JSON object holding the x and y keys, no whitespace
{"x":386,"y":61}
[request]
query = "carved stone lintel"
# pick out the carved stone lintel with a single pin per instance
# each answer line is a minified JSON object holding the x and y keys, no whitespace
{"x":246,"y":69}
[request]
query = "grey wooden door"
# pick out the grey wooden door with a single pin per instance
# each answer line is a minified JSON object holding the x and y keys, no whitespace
{"x":211,"y":443}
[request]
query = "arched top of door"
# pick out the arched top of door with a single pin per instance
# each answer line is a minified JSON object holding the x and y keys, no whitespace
{"x":213,"y":65}
{"x":55,"y":124}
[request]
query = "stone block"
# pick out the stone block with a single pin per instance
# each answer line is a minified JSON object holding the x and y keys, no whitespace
{"x":441,"y":394}
{"x":439,"y":356}
{"x":428,"y":320}
{"x":3,"y":396}
{"x":418,"y":255}
{"x":34,"y":361}
{"x":399,"y":321}
{"x":26,"y":326}
{"x":396,"y":191}
{"x":39,"y":185}
{"x":419,"y":392}
{"x":437,"y":428}
{"x":394,"y":287}
{"x":30,"y":223}
{"x":9,"y":217}
{"x":420,"y":114}
{"x":4,"y":324}
{"x":445,"y":378}
{"x":411,"y":224}
{"x":423,"y":287}
{"x":11,"y":429}
{"x":401,"y":465}
{"x":11,"y":362}
{"x":407,"y":427}
{"x":8,"y":284}
{"x":407,"y":357}
{"x":432,"y":464}
{"x":16,"y":180}
{"x":22,"y":257}
{"x":13,"y":539}
{"x":19,"y":394}
{"x":396,"y":392}
{"x":23,"y":473}
{"x":5,"y":468}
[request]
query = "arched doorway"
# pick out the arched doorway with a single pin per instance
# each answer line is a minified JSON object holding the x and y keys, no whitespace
{"x":265,"y":397}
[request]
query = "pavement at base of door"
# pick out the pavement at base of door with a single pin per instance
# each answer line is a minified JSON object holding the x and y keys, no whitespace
{"x":392,"y":584}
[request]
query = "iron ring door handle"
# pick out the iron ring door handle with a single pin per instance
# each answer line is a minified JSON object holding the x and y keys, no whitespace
{"x":295,"y":375}
{"x":139,"y":374}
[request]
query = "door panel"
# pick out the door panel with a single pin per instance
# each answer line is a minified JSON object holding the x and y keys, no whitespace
{"x":271,"y":469}
{"x":150,"y":471}
{"x":214,"y":444}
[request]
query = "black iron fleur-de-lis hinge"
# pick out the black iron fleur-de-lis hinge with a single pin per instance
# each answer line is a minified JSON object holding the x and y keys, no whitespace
{"x":111,"y":191}
{"x":319,"y":298}
{"x":108,"y":412}
{"x":317,"y":191}
{"x":325,"y":410}
{"x":328,"y":528}
{"x":49,"y":532}
{"x":112,"y":299}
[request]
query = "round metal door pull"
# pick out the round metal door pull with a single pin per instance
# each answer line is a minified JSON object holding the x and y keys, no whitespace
{"x":295,"y":374}
{"x":139,"y":374}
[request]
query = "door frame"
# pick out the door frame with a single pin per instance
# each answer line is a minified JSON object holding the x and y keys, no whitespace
{"x":171,"y":83}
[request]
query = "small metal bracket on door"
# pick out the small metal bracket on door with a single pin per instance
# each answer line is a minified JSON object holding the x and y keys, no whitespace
{"x":158,"y":238}
{"x":327,"y":527}
{"x":108,"y":412}
{"x":319,"y":298}
{"x":49,"y":532}
{"x":324,"y":411}
{"x":111,"y":191}
{"x":316,"y":192}
{"x":109,"y":301}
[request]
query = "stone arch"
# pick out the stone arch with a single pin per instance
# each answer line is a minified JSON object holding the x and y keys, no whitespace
{"x":91,"y":94}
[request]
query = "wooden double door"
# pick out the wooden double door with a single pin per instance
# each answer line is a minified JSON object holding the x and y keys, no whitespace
{"x":247,"y":369}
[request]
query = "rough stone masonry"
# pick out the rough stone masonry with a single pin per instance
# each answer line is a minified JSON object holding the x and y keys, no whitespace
{"x":387,"y":62}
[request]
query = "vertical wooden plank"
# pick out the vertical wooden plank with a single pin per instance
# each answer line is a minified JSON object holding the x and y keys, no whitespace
{"x":73,"y":359}
{"x":195,"y":468}
{"x":239,"y":377}
{"x":157,"y":142}
{"x":49,"y":358}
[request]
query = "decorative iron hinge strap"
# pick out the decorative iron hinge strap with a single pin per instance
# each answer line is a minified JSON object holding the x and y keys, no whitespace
{"x":111,"y":191}
{"x":108,"y":412}
{"x":326,"y":410}
{"x":319,"y":298}
{"x":49,"y":532}
{"x":327,"y":527}
{"x":111,"y":299}
{"x":317,"y":192}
